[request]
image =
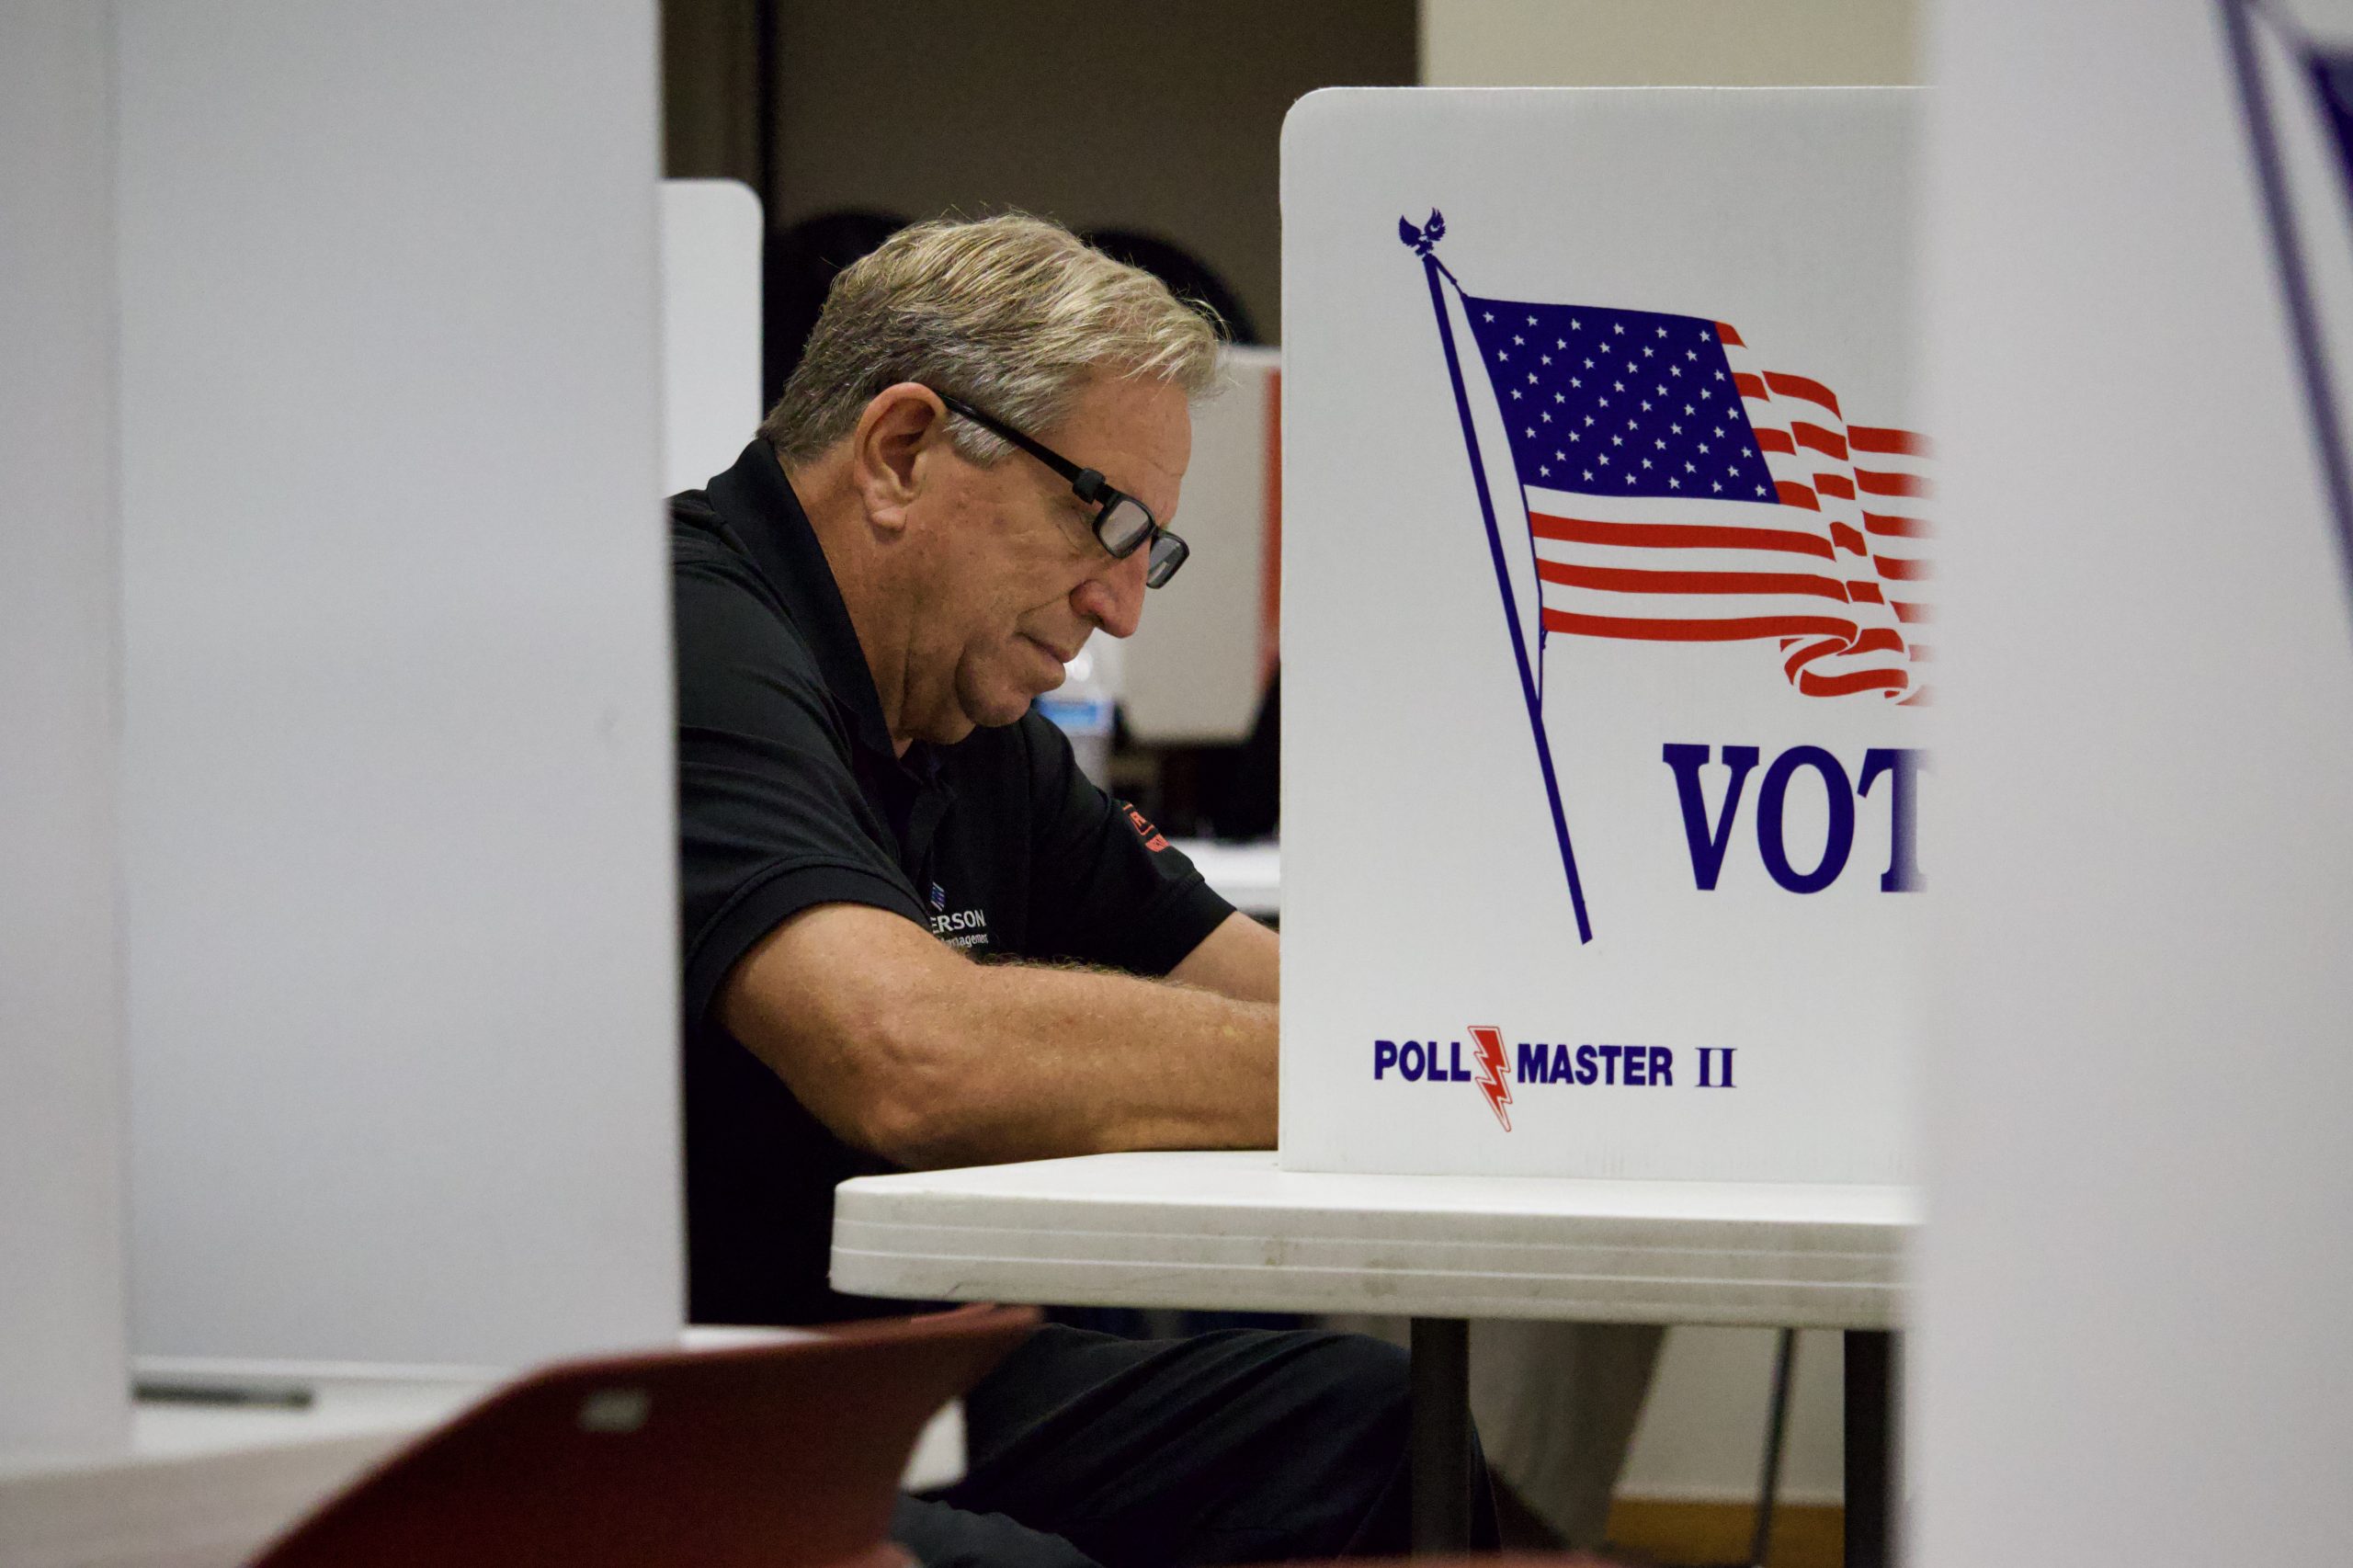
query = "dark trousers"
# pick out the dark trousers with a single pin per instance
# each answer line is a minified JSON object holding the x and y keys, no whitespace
{"x":1230,"y":1447}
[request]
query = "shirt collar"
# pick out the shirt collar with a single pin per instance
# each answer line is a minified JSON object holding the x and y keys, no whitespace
{"x":756,"y":500}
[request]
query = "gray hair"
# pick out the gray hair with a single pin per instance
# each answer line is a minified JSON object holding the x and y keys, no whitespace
{"x":1013,"y":314}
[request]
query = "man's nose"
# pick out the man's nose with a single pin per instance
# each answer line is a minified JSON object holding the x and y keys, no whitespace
{"x":1113,"y":597}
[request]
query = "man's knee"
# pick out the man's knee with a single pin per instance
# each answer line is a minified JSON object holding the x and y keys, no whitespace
{"x":1360,"y":1384}
{"x":1372,"y":1374}
{"x":1306,"y":1392}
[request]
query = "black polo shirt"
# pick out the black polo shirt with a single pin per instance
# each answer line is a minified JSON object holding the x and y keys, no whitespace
{"x":788,"y":796}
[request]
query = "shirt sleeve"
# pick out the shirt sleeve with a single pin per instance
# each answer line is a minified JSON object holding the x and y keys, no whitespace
{"x":1105,"y":887}
{"x":771,"y":817}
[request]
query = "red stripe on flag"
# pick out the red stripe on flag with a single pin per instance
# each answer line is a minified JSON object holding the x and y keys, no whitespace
{"x":1816,"y":685}
{"x":1846,"y":538}
{"x":1836,"y":485}
{"x":1675,"y":535}
{"x":1807,"y":654}
{"x":1877,"y":483}
{"x":1736,"y":630}
{"x":1724,"y":334}
{"x":1775,"y":441}
{"x":1878,"y":640}
{"x":1898,"y":527}
{"x":1865,"y":594}
{"x":1879,"y":439}
{"x":1922,"y":653}
{"x":1910,"y":613}
{"x":1748,"y":385}
{"x":1796,"y":495}
{"x":1819,"y":439}
{"x":1896,"y":570}
{"x":1820,"y":648}
{"x":1802,"y":386}
{"x":1631,"y":580}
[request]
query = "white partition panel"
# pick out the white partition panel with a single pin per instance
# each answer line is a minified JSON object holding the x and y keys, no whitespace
{"x":1607,"y":633}
{"x":711,"y":233}
{"x":2138,"y":1269}
{"x":397,"y":744}
{"x":1196,"y":669}
{"x":62,"y":1383}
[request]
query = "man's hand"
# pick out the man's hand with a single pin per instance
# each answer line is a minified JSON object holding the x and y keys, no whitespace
{"x":905,"y":1047}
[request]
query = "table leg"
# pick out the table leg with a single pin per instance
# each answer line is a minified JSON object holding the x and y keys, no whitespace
{"x":1441,"y":1441}
{"x":1777,"y":1428}
{"x":1873,"y":1374}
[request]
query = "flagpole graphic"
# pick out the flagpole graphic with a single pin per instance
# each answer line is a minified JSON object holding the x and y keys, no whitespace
{"x":2239,"y":21}
{"x":1423,"y":240}
{"x":1672,"y":489}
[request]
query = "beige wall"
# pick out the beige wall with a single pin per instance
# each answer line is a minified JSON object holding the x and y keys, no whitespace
{"x":1605,"y":43}
{"x":1155,"y":117}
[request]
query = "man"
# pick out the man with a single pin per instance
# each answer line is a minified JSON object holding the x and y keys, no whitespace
{"x":916,"y":934}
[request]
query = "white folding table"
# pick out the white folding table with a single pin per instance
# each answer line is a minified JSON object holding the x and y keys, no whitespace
{"x":1231,"y":1231}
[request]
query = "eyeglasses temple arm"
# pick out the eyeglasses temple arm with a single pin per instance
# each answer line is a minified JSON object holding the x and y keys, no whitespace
{"x":1053,"y":460}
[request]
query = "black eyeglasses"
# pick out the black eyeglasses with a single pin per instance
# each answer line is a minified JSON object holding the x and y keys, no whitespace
{"x":1122,"y":524}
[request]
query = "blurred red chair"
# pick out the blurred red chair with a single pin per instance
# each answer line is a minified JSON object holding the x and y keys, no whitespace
{"x":782,"y":1455}
{"x":1490,"y":1560}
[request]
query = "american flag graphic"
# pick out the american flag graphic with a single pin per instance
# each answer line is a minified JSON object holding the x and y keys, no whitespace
{"x":1677,"y":487}
{"x":1679,"y":490}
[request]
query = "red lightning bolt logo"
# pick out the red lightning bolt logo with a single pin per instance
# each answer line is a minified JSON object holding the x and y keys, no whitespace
{"x":1490,"y":1068}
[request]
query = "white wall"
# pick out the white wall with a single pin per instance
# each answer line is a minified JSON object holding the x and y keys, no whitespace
{"x":397,"y":751}
{"x":1702,"y":1432}
{"x":61,"y":1380}
{"x":2138,"y":1273}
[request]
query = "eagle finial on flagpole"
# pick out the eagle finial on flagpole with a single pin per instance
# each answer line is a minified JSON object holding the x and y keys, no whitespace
{"x":1425,"y":237}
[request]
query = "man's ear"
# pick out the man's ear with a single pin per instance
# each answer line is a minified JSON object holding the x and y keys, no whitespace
{"x":899,"y":440}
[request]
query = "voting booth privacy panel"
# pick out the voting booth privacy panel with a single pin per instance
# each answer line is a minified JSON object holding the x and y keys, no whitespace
{"x":2138,"y":1271}
{"x":1187,"y":679}
{"x":711,"y":233}
{"x":2291,"y":72}
{"x":1609,"y":614}
{"x":62,"y":1285}
{"x":398,"y":862}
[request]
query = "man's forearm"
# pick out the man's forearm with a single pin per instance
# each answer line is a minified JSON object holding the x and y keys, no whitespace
{"x":902,"y":1046}
{"x":1027,"y":1062}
